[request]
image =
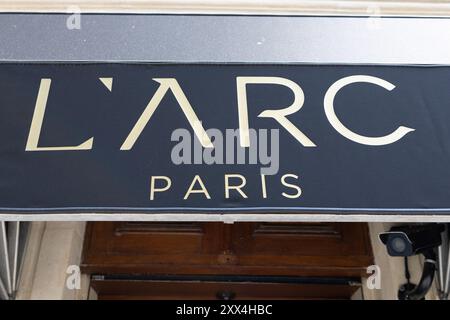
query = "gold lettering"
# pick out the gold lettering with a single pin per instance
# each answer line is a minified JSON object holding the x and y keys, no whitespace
{"x":153,"y":189}
{"x":38,"y":118}
{"x":292,"y":186}
{"x":202,"y":190}
{"x":237,"y":188}
{"x":165,"y":85}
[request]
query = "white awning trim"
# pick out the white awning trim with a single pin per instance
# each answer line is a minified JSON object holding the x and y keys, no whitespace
{"x":279,"y":7}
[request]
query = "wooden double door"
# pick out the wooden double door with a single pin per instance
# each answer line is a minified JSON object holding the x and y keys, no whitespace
{"x":181,"y":260}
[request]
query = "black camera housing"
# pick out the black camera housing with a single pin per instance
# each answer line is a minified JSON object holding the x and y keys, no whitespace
{"x":405,"y":241}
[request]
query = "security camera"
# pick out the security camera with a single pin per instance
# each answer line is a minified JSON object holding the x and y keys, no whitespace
{"x":405,"y":241}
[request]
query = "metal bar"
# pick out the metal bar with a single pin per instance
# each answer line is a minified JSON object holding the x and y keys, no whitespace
{"x":13,"y":250}
{"x":225,"y":39}
{"x":234,"y":278}
{"x":3,"y":293}
{"x":441,"y":262}
{"x":5,"y":273}
{"x":447,"y":273}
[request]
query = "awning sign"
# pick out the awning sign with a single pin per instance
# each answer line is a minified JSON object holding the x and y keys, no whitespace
{"x":155,"y":138}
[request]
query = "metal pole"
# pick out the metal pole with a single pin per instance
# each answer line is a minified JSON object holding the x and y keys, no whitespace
{"x":443,"y":260}
{"x":447,"y":274}
{"x":441,"y":268}
{"x":5,"y":272}
{"x":13,"y":250}
{"x":3,"y":293}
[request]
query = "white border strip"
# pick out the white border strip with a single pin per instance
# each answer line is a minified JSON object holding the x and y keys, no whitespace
{"x":226,"y":218}
{"x":274,"y":7}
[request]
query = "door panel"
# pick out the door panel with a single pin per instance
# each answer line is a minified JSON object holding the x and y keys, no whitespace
{"x":299,"y":249}
{"x":210,"y":290}
{"x":130,"y":243}
{"x":313,"y":239}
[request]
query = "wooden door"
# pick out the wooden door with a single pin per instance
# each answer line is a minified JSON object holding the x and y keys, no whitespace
{"x":217,"y":259}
